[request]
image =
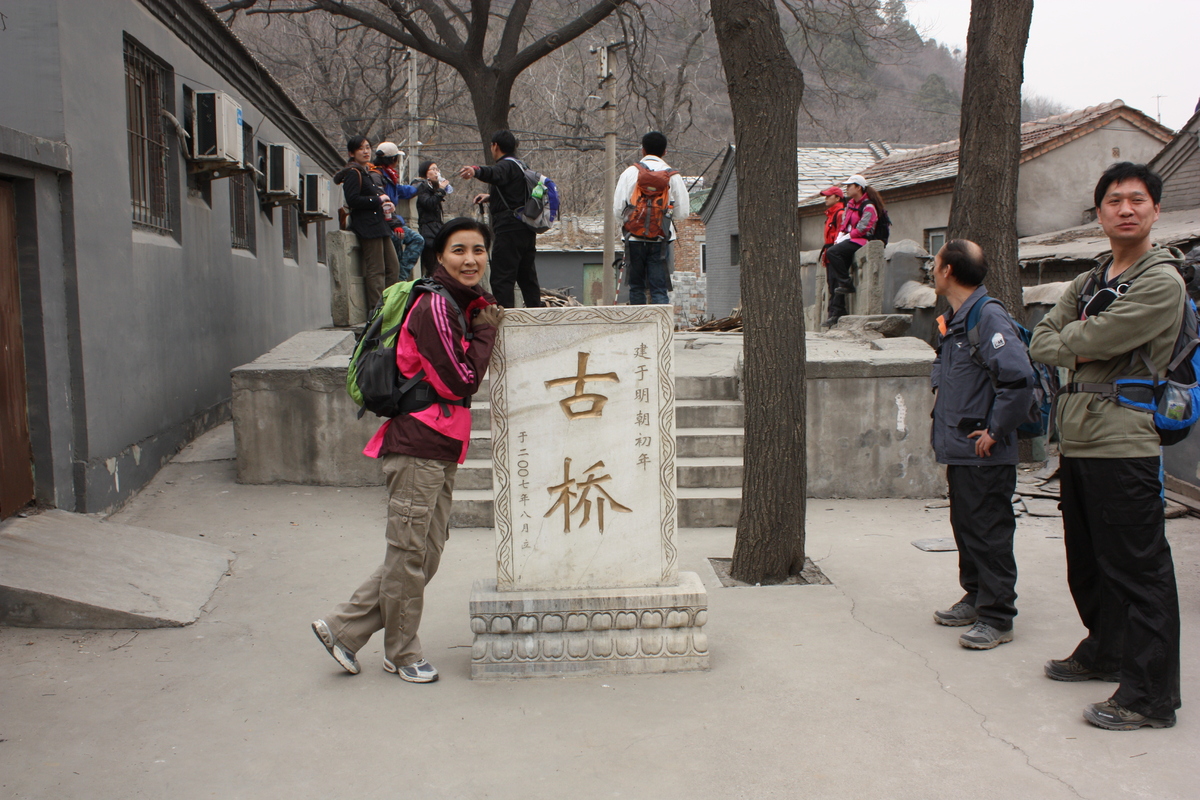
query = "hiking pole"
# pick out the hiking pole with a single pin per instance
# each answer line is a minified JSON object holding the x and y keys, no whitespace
{"x":618,"y":266}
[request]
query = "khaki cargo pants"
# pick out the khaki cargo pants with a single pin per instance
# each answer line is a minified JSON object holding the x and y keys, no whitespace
{"x":420,"y":491}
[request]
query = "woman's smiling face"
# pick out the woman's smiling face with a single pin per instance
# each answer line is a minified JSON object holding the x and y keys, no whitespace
{"x":465,"y":257}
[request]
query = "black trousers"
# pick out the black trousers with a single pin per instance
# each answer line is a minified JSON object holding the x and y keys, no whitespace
{"x":839,"y":258}
{"x":981,"y":516}
{"x":1122,"y":578}
{"x":513,"y":252}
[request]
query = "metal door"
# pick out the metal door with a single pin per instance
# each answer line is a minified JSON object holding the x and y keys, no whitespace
{"x":16,"y":459}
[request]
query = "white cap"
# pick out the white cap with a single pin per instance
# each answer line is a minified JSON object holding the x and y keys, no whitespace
{"x":388,"y":150}
{"x":856,"y":179}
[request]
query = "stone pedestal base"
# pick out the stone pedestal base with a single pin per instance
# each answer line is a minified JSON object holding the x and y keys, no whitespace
{"x":589,"y":631}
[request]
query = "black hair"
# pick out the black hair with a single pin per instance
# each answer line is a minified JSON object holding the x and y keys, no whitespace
{"x":461,"y":224}
{"x":966,"y":260}
{"x":875,"y":199}
{"x":505,"y":141}
{"x":654,"y":143}
{"x":381,"y":160}
{"x":355,"y":142}
{"x":1124,"y":171}
{"x":423,"y":168}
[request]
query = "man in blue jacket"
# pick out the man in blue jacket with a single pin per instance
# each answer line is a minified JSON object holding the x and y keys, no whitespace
{"x":981,"y":399}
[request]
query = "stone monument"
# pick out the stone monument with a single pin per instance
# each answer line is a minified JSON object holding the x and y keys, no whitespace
{"x":583,"y":449}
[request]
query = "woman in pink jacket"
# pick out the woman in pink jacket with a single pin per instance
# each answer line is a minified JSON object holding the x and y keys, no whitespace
{"x":421,"y":452}
{"x":858,"y":223}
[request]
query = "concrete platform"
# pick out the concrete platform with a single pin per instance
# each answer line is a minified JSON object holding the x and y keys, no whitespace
{"x":63,"y":570}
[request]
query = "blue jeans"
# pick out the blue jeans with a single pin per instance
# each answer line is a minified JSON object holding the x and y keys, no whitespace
{"x":647,"y":265}
{"x":408,"y":250}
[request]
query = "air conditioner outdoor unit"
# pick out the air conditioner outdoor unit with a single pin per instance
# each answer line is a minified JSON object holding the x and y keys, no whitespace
{"x":283,"y":171}
{"x":315,"y":197}
{"x":218,"y":128}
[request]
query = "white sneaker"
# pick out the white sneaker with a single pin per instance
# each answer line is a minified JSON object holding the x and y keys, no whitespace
{"x":420,"y":672}
{"x":339,"y":653}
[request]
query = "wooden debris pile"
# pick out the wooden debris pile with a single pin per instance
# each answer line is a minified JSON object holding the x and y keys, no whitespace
{"x":560,"y":298}
{"x":730,"y":324}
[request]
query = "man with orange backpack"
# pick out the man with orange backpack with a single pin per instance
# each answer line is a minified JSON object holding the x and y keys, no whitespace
{"x":649,"y":196}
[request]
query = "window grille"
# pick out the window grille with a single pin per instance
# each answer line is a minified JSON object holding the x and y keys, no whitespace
{"x":148,"y":93}
{"x":243,"y":206}
{"x":291,"y":232}
{"x":322,"y":258}
{"x":934,"y":239}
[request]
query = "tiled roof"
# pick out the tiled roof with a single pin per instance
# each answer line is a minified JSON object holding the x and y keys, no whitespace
{"x":940,"y":161}
{"x":822,"y":165}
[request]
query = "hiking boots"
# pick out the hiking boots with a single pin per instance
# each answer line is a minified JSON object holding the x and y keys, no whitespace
{"x":846,"y":288}
{"x":339,"y":653}
{"x":957,"y":615}
{"x":1112,"y":717}
{"x":1068,"y":669}
{"x":984,"y":637}
{"x":829,"y":323}
{"x":420,"y":672}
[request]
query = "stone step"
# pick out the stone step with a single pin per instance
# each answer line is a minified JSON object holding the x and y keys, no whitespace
{"x":698,"y":508}
{"x":691,"y":473}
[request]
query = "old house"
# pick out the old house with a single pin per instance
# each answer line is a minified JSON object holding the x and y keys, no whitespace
{"x":1178,"y":164}
{"x":817,"y":166}
{"x":1060,"y":158}
{"x":152,"y":238}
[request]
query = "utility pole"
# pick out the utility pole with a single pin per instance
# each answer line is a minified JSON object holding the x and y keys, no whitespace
{"x":608,"y":83}
{"x":1158,"y":98}
{"x":414,"y":146}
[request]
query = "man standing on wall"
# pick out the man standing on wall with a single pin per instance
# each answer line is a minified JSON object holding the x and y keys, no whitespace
{"x":515,"y":244}
{"x":1115,"y":322}
{"x":983,"y":393}
{"x":648,"y":197}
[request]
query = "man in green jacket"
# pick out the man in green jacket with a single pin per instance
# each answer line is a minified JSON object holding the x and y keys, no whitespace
{"x":1119,"y":566}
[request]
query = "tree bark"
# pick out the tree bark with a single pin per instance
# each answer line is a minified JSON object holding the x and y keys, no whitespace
{"x":984,"y":208}
{"x":765,"y":89}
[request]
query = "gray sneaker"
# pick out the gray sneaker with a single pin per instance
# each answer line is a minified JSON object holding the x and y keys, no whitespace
{"x":1112,"y":717}
{"x":957,"y":615}
{"x":984,"y":637}
{"x":339,"y":653}
{"x":420,"y":672}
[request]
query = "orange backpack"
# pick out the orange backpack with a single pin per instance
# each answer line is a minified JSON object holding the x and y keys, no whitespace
{"x":648,"y":213}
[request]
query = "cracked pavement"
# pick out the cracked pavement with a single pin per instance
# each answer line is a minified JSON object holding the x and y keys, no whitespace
{"x":841,"y":691}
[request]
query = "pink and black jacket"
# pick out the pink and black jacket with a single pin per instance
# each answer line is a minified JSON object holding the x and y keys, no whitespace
{"x":432,"y":339}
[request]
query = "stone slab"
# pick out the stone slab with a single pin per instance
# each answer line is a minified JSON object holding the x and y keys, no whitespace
{"x":63,"y":570}
{"x":583,"y":632}
{"x":216,"y":445}
{"x":348,"y":298}
{"x":583,"y":448}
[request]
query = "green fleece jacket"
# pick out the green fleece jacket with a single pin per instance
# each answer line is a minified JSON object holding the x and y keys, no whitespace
{"x":1148,"y":314}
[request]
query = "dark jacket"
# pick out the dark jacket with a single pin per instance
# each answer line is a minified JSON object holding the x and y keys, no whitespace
{"x":429,"y":209}
{"x":507,"y":195}
{"x":365,"y":197}
{"x":966,"y":399}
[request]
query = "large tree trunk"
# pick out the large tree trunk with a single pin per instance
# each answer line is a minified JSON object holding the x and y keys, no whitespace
{"x":984,"y":208}
{"x":765,"y":88}
{"x":491,"y":94}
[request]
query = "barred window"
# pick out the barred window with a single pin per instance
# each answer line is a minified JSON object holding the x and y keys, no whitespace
{"x":148,"y":93}
{"x":291,"y":232}
{"x":934,"y":239}
{"x":321,"y":257}
{"x":243,"y":205}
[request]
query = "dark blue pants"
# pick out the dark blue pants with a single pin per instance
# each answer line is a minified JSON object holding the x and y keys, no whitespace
{"x":647,"y":265}
{"x":1122,"y":577}
{"x":839,"y":258}
{"x":513,"y":254}
{"x":982,"y":518}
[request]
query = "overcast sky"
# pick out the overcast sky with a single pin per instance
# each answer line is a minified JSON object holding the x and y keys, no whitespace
{"x":1085,"y":52}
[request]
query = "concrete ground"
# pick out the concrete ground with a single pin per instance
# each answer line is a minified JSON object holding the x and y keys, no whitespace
{"x":841,"y":691}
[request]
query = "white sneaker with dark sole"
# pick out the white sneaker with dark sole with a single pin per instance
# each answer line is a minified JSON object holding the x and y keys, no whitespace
{"x":420,"y":672}
{"x":339,"y":653}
